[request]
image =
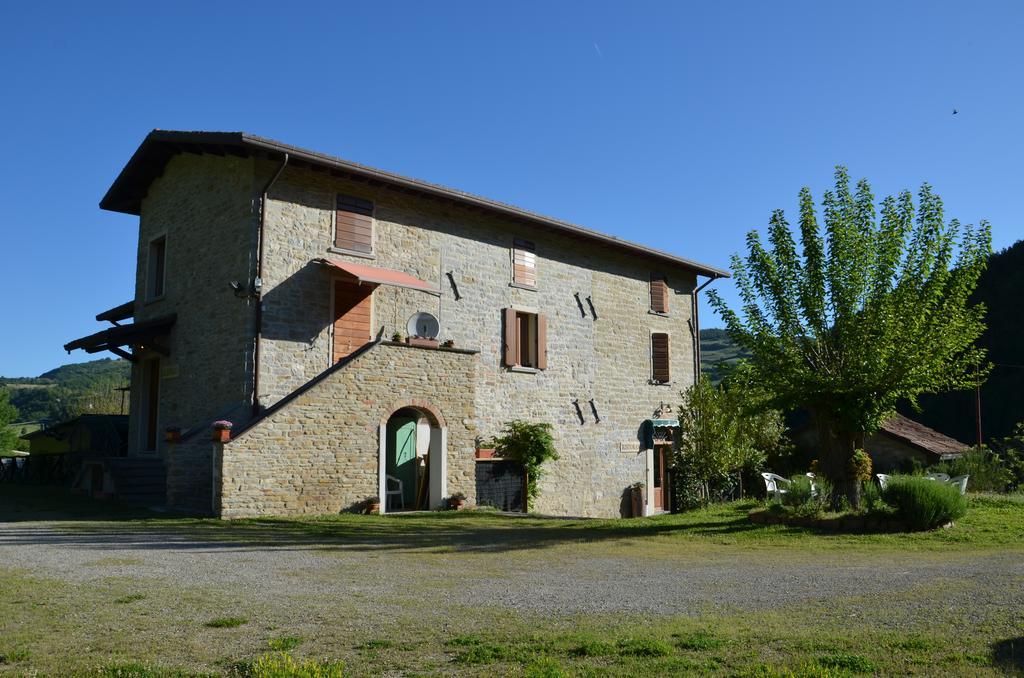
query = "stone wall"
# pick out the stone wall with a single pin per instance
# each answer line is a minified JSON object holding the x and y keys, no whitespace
{"x":203,"y":204}
{"x":319,"y":452}
{"x":889,"y":455}
{"x":190,"y":475}
{"x":606,"y":358}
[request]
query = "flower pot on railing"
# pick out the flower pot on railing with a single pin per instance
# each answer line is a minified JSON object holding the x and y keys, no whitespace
{"x":485,"y":453}
{"x":222,"y":431}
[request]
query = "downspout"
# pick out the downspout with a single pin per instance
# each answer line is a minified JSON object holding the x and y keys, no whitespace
{"x":696,"y":326}
{"x":257,"y":287}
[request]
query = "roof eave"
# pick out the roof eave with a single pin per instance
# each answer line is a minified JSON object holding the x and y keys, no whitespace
{"x":172,"y":142}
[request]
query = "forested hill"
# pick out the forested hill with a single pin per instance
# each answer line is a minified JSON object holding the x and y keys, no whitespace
{"x":70,"y":390}
{"x":1002,"y":403}
{"x":717,"y":348}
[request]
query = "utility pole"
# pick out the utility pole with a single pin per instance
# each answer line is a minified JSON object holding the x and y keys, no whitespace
{"x":977,"y":405}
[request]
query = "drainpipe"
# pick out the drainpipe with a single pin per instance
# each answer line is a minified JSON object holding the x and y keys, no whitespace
{"x":257,"y":286}
{"x":696,"y":326}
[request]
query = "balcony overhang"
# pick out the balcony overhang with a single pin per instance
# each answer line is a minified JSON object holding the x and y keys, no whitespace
{"x":142,"y":335}
{"x":374,"y":275}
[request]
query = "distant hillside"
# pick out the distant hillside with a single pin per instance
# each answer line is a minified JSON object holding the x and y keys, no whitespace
{"x":70,"y":390}
{"x":716,"y":348}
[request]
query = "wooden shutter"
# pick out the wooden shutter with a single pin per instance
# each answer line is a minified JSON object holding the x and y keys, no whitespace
{"x":542,"y":342}
{"x":659,"y":294}
{"x":351,"y":317}
{"x":524,"y":262}
{"x":354,"y":224}
{"x":510,"y":337}
{"x":660,"y":358}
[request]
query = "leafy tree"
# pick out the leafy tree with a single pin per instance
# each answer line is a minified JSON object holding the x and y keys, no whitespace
{"x":724,"y":431}
{"x":874,"y":312}
{"x":8,"y":415}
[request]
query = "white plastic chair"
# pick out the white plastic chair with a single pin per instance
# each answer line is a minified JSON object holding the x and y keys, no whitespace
{"x":814,"y":485}
{"x":883,"y":480}
{"x":389,"y":493}
{"x":772,"y":484}
{"x":937,"y":476}
{"x":960,"y":482}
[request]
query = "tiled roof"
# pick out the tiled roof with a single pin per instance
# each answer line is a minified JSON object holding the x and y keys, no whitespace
{"x":922,"y":437}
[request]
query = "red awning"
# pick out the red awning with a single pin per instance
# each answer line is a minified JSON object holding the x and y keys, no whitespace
{"x":381,"y":276}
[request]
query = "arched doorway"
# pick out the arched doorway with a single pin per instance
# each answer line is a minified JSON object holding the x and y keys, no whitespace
{"x":413,"y":465}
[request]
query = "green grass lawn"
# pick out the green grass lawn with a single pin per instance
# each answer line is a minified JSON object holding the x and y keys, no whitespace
{"x":140,"y":624}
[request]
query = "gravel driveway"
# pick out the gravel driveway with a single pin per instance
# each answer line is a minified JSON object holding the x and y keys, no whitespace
{"x":565,"y":580}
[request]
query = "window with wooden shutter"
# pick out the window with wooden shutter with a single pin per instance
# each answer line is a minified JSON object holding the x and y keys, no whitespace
{"x":525,"y":339}
{"x":353,"y":228}
{"x":660,"y":373}
{"x":524,"y":263}
{"x":659,"y":294}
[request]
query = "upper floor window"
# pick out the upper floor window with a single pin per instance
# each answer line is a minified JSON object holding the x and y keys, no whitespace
{"x":659,"y":293}
{"x":353,"y":229}
{"x":524,"y":263}
{"x":660,"y":370}
{"x":526,"y":339}
{"x":155,"y":268}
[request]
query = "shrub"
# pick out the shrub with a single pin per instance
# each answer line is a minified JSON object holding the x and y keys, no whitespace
{"x":871,"y":497}
{"x":802,"y":499}
{"x":924,"y":504}
{"x":988,"y":471}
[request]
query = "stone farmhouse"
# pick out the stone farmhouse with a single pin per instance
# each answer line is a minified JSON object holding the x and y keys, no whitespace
{"x":366,"y":333}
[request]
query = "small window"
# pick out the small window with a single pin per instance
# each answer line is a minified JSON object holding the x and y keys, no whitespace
{"x":526,"y":339}
{"x":660,"y":372}
{"x":156,"y":268}
{"x":659,"y":293}
{"x":353,"y":229}
{"x":524,"y":263}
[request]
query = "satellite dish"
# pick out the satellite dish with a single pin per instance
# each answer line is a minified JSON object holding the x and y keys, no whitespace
{"x":423,"y":325}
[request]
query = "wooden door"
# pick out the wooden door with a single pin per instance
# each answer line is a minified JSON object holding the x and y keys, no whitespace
{"x":351,"y":317}
{"x":660,"y":486}
{"x":152,"y":404}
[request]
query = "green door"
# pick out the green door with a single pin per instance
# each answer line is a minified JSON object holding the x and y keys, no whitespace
{"x":401,"y":462}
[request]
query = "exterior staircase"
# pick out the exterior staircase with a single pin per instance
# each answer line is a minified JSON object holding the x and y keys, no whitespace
{"x":139,"y":480}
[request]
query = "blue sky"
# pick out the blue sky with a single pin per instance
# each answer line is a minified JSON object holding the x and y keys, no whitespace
{"x":679,"y":125}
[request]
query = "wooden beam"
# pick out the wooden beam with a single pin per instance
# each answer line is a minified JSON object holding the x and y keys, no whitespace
{"x":123,"y":353}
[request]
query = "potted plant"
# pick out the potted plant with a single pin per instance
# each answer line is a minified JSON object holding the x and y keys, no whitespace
{"x":172,"y":434}
{"x":371,"y":505}
{"x":637,"y":496}
{"x":397,"y":336}
{"x":457,"y":501}
{"x":484,"y":449}
{"x":222,"y":431}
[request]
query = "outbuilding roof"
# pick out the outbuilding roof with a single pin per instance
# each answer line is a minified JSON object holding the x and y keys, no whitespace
{"x":920,"y":436}
{"x":126,"y":193}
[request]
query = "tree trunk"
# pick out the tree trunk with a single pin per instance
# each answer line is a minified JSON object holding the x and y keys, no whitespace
{"x":837,"y":448}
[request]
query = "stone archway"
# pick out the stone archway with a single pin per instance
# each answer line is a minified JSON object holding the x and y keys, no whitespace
{"x":436,"y":450}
